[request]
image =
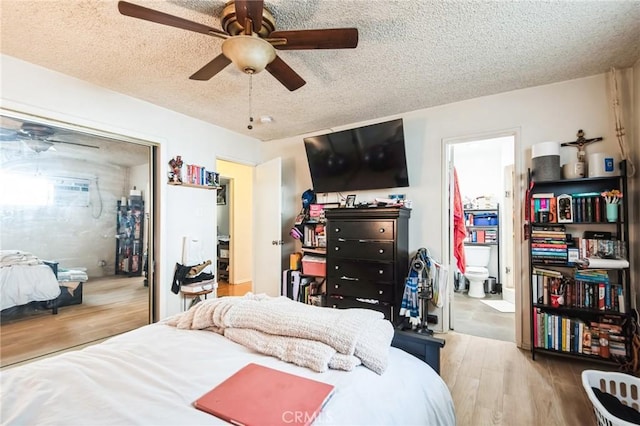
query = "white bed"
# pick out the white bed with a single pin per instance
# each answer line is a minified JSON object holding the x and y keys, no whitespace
{"x":22,"y":284}
{"x":151,"y":376}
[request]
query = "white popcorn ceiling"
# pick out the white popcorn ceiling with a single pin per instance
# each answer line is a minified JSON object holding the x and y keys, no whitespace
{"x":411,"y":54}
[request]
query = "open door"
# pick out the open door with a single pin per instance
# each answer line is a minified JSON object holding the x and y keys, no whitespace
{"x":268,"y":228}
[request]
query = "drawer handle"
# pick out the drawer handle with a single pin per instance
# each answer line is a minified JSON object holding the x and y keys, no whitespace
{"x":344,"y":277}
{"x":336,"y":267}
{"x":337,"y":248}
{"x":337,"y":229}
{"x":381,"y":230}
{"x":380,"y":272}
{"x":337,"y":286}
{"x":342,"y":240}
{"x":381,"y":291}
{"x":381,"y":251}
{"x":362,"y":241}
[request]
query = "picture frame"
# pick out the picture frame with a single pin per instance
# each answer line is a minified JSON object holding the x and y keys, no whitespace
{"x":221,"y":198}
{"x":564,"y":208}
{"x":351,"y":201}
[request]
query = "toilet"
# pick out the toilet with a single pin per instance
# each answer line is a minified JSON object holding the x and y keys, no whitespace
{"x":477,"y":259}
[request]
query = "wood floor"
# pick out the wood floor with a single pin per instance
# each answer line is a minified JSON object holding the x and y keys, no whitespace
{"x":495,"y":383}
{"x":110,"y":306}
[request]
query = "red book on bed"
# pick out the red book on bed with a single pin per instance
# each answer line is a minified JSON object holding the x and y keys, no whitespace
{"x":259,"y":395}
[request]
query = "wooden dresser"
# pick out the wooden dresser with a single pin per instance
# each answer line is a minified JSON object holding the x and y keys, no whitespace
{"x":367,"y":258}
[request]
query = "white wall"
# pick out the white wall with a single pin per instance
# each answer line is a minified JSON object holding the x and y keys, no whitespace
{"x":184,"y":211}
{"x":544,"y":113}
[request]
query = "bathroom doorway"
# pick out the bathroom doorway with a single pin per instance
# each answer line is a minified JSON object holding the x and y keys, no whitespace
{"x":482,"y":300}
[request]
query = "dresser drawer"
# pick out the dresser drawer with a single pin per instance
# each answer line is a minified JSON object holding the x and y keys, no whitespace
{"x":361,"y":249}
{"x":347,"y":302}
{"x":361,"y":230}
{"x":364,"y":290}
{"x":361,"y":271}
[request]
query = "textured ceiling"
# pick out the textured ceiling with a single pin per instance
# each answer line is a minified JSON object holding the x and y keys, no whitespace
{"x":411,"y":54}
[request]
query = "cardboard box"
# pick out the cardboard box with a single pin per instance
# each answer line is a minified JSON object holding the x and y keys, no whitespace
{"x":314,"y":265}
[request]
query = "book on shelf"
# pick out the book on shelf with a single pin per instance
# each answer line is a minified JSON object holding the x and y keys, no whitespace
{"x":198,"y":287}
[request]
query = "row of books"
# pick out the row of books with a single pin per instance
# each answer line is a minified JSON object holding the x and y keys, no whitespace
{"x":302,"y":288}
{"x":604,"y":338}
{"x":198,"y":175}
{"x":588,"y":289}
{"x":584,"y":207}
{"x":549,"y":245}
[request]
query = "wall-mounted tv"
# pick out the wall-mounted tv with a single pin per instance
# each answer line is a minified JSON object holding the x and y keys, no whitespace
{"x":369,"y":157}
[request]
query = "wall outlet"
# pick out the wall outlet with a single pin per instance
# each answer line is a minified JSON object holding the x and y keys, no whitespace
{"x":432,"y":319}
{"x":102,"y":263}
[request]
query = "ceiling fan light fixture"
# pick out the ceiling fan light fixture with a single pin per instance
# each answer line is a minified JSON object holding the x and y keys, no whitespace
{"x":251,"y":54}
{"x":38,"y":145}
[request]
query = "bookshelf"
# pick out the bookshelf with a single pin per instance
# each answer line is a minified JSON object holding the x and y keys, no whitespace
{"x":579,"y":266}
{"x":129,"y":238}
{"x":483,"y":229}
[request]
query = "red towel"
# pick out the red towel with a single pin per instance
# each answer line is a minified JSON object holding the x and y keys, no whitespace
{"x":459,"y":230}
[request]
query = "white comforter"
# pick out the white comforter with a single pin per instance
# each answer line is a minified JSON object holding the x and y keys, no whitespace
{"x":151,"y":376}
{"x":21,"y":284}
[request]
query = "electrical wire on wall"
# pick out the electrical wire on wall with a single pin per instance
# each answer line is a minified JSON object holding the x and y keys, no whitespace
{"x":617,"y":116}
{"x":100,"y":200}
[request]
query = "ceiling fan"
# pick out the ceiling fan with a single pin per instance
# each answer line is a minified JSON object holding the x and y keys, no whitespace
{"x":38,"y":137}
{"x":250,"y":39}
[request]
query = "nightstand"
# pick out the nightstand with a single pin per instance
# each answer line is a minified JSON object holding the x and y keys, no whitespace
{"x":422,"y":346}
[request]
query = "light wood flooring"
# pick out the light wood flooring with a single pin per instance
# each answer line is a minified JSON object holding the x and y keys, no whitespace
{"x":110,"y":306}
{"x":495,"y":383}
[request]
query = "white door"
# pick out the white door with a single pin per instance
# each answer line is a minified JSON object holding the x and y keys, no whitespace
{"x":268,"y":228}
{"x":507,"y":238}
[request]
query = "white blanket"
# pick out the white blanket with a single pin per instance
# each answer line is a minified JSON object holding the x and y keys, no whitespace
{"x":284,"y":328}
{"x":21,"y":284}
{"x":152,"y":375}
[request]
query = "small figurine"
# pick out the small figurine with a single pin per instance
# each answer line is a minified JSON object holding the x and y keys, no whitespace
{"x":175,"y":175}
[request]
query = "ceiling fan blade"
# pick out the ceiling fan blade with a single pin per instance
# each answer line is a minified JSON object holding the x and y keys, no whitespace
{"x":251,"y":9}
{"x":72,"y":143}
{"x":336,"y":38}
{"x":212,"y":68}
{"x":140,"y":12}
{"x":285,"y":75}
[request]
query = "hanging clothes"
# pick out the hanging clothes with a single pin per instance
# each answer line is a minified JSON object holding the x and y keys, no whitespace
{"x":459,"y":230}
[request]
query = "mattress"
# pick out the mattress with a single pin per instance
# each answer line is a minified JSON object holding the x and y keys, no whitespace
{"x":153,"y":374}
{"x":22,"y":284}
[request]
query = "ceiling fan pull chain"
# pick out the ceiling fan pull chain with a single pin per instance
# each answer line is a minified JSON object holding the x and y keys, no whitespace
{"x":250,"y":126}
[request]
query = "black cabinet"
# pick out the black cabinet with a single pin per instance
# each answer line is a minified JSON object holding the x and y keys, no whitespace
{"x":367,"y":258}
{"x":576,"y":310}
{"x":129,"y":239}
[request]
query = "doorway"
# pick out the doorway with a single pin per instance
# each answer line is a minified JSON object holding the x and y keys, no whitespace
{"x":482,"y":300}
{"x":85,"y":221}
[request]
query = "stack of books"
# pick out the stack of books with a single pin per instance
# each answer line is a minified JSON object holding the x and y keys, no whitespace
{"x":549,"y":245}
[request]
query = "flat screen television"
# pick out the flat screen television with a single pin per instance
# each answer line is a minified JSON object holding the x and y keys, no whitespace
{"x":369,"y":157}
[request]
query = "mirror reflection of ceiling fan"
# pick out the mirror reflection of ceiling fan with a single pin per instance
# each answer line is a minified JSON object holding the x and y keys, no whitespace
{"x":250,"y":39}
{"x":37,"y":137}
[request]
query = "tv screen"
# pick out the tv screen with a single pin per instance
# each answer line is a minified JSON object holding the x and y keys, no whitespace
{"x":369,"y":157}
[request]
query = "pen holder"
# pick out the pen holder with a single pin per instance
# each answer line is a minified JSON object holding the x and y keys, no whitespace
{"x":612,"y":212}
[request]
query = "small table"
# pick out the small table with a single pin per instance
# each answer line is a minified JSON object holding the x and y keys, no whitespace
{"x":197,"y":294}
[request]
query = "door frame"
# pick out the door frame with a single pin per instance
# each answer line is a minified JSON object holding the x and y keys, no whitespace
{"x":520,"y":282}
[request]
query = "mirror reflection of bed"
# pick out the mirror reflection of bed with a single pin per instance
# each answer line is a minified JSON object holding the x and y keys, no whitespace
{"x":47,"y":308}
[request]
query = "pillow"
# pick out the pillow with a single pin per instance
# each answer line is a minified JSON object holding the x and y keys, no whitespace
{"x":614,"y":406}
